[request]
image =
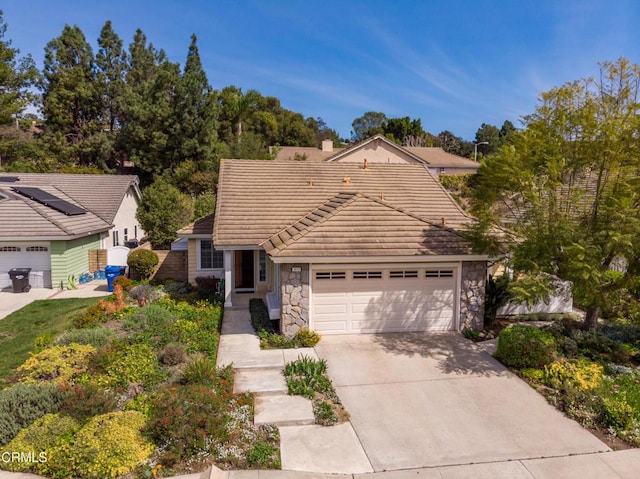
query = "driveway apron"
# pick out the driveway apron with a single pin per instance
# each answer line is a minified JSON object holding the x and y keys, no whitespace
{"x":425,"y":399}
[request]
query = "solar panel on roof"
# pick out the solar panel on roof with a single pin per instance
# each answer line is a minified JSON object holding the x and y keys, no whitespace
{"x":9,"y":179}
{"x":49,"y":200}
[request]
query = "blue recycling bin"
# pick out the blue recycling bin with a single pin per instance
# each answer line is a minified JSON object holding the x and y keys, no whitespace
{"x":112,"y":272}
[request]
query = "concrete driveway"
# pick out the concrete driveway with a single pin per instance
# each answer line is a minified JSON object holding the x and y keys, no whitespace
{"x":423,"y":400}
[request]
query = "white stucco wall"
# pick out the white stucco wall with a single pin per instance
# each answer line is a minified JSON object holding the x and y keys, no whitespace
{"x":125,"y":219}
{"x":377,"y":152}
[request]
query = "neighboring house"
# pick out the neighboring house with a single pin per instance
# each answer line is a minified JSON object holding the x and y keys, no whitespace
{"x":379,"y":149}
{"x":344,"y":246}
{"x":49,"y":222}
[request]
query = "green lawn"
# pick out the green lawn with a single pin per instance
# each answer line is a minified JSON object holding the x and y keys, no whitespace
{"x":20,"y":329}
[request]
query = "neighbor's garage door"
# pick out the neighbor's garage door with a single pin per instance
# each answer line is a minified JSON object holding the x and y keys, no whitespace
{"x":368,"y":300}
{"x":26,"y":255}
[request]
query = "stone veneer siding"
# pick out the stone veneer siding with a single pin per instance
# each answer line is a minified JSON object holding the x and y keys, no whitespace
{"x":295,"y":298}
{"x":472,"y":292}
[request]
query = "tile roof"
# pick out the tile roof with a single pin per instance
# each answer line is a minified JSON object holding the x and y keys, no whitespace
{"x":201,"y":226}
{"x":353,"y":224}
{"x":257,"y":199}
{"x":434,"y":156}
{"x":100,"y":195}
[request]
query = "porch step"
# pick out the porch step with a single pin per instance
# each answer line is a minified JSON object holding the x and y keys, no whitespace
{"x":253,"y":359}
{"x":260,"y":381}
{"x":283,"y":410}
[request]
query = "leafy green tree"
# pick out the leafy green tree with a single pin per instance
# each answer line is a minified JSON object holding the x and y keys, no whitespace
{"x":368,"y":125}
{"x":17,"y":75}
{"x":163,"y":211}
{"x":506,"y":131}
{"x":71,"y":104}
{"x":489,"y":134}
{"x":401,"y":129}
{"x":567,"y":191}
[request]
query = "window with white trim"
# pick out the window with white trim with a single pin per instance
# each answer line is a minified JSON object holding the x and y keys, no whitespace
{"x":33,"y":249}
{"x":115,"y":239}
{"x":210,"y":258}
{"x":126,"y":235}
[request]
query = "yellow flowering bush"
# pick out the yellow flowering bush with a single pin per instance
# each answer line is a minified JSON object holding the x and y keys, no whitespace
{"x":41,"y":439}
{"x":110,"y":445}
{"x":60,"y":364}
{"x":571,"y":373}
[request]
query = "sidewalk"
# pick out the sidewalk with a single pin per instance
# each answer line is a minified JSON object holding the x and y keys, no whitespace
{"x":11,"y":302}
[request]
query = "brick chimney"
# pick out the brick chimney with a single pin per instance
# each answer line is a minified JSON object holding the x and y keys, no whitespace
{"x":327,"y":145}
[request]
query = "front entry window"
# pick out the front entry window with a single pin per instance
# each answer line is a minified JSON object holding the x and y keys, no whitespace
{"x":209,"y":257}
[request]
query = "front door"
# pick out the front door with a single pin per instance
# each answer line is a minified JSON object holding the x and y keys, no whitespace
{"x":244,"y":270}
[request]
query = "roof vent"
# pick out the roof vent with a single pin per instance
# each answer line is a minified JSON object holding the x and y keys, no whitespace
{"x":310,"y":182}
{"x":382,"y":196}
{"x":365,"y":166}
{"x":444,"y":221}
{"x":346,"y":180}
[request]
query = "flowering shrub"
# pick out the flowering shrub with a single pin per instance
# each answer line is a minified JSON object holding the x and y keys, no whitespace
{"x":578,"y":374}
{"x":83,"y":401}
{"x":59,"y":364}
{"x":109,"y":445}
{"x":188,"y":420}
{"x":123,"y":365}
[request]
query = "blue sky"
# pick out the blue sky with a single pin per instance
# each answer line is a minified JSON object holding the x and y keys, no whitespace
{"x":453,"y":63}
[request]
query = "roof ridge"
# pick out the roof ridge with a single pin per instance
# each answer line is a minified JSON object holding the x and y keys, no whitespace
{"x":349,"y":197}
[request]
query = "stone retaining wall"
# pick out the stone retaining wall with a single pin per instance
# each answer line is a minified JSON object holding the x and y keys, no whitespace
{"x":295,"y":298}
{"x":472,"y":292}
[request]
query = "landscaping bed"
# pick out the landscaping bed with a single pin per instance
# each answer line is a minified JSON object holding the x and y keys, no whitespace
{"x":270,"y":337}
{"x":307,"y":377}
{"x":130,"y":388}
{"x":592,"y":376}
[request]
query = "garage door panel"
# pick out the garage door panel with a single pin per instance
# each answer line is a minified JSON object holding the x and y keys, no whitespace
{"x":396,"y":301}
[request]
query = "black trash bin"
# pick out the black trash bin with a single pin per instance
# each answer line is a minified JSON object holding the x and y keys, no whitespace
{"x":20,"y":279}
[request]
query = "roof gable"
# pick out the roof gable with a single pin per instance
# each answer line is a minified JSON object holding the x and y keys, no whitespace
{"x":376,"y":149}
{"x":99,"y":195}
{"x":353,"y":224}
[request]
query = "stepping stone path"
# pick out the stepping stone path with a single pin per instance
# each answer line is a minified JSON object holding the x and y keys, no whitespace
{"x":261,"y":372}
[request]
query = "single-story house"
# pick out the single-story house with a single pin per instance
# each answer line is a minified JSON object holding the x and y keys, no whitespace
{"x":379,"y":149}
{"x":49,"y":222}
{"x":203,"y":259}
{"x":344,"y":246}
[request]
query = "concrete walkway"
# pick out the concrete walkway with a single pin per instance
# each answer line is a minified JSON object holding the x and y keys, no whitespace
{"x":11,"y":302}
{"x":309,"y":451}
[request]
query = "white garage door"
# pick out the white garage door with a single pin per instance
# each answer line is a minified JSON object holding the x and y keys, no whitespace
{"x":26,"y":255}
{"x":369,"y":300}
